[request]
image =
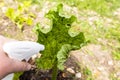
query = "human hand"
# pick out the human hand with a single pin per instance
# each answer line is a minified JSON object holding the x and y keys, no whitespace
{"x":8,"y":65}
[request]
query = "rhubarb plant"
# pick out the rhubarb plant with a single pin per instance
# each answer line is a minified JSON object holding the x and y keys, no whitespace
{"x":60,"y":35}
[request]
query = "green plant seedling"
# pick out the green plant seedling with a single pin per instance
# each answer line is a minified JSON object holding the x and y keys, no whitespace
{"x":18,"y":16}
{"x":59,"y":37}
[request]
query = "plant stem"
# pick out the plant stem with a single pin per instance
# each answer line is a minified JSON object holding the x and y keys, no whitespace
{"x":55,"y":71}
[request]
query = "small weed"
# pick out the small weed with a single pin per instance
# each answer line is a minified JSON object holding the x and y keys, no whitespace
{"x":114,"y":34}
{"x":88,"y":74}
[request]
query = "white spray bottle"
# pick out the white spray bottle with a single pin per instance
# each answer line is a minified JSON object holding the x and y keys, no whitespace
{"x":21,"y":50}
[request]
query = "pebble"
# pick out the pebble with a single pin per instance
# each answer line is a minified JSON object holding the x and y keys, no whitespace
{"x":78,"y":75}
{"x":110,"y":62}
{"x":118,"y":74}
{"x":70,"y":70}
{"x":100,"y":68}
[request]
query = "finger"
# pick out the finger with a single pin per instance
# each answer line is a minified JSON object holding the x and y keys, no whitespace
{"x":19,"y":66}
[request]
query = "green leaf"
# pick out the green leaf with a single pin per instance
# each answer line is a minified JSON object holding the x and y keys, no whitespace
{"x":17,"y":15}
{"x":19,"y":25}
{"x":64,"y":11}
{"x":10,"y":13}
{"x":57,"y":40}
{"x":74,"y":30}
{"x":27,"y":3}
{"x":29,"y":21}
{"x":20,"y":8}
{"x":62,"y":55}
{"x":45,"y":25}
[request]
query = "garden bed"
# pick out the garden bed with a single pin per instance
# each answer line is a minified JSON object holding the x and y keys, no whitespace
{"x":68,"y":74}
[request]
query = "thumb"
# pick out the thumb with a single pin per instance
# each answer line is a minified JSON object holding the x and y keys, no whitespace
{"x":19,"y":66}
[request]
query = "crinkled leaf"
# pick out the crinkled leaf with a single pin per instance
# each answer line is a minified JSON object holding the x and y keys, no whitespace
{"x":74,"y":30}
{"x":57,"y":41}
{"x":45,"y":25}
{"x":64,"y":11}
{"x":62,"y":55}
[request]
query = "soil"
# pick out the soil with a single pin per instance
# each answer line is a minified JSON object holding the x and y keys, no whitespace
{"x":38,"y":74}
{"x":43,"y":75}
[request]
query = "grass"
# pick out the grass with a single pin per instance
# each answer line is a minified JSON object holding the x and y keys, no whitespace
{"x":88,"y":73}
{"x":103,"y":7}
